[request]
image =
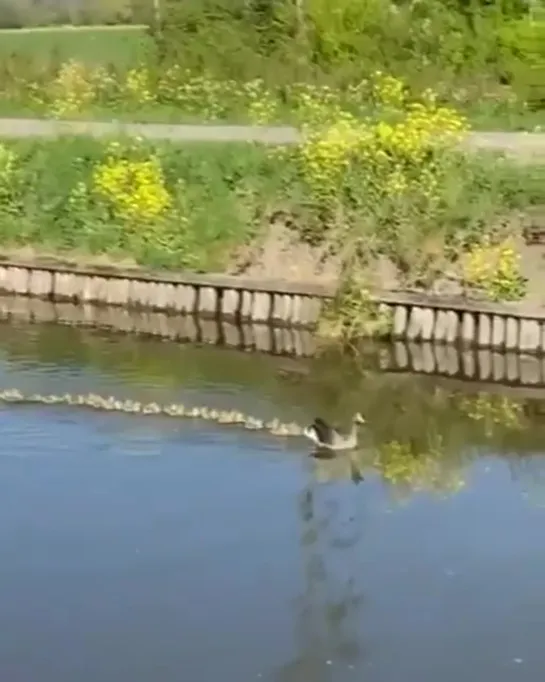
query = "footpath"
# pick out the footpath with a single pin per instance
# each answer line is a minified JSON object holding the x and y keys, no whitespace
{"x":526,"y":146}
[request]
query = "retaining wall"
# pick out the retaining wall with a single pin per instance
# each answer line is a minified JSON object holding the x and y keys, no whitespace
{"x":483,"y":324}
{"x":414,"y":316}
{"x":237,"y":299}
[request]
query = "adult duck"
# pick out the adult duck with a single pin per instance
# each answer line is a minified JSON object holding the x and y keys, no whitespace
{"x":328,"y":437}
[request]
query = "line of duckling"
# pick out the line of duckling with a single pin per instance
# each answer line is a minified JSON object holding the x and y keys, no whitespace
{"x":112,"y":404}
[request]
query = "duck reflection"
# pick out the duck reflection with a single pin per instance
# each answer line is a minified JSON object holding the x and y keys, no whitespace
{"x":331,"y":466}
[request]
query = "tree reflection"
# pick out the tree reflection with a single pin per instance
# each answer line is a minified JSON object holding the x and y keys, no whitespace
{"x":327,"y":611}
{"x":428,"y":443}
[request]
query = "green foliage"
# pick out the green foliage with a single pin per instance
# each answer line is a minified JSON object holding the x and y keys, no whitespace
{"x":522,"y":45}
{"x":487,"y":57}
{"x":204,"y":57}
{"x":471,"y":48}
{"x":53,"y":198}
{"x":386,"y":188}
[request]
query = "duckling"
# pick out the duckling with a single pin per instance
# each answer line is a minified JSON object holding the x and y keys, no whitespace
{"x":273,"y":425}
{"x":109,"y":403}
{"x":294,"y":429}
{"x":253,"y":423}
{"x":238,"y":417}
{"x":326,"y":436}
{"x":170,"y":410}
{"x":174,"y":410}
{"x":281,"y":429}
{"x":226,"y":417}
{"x":151,"y":408}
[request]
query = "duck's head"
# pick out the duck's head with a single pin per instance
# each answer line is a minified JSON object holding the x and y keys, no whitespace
{"x":358,"y":418}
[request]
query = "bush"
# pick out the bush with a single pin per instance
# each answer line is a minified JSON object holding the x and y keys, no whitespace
{"x":522,"y":45}
{"x":164,"y":206}
{"x":485,"y":57}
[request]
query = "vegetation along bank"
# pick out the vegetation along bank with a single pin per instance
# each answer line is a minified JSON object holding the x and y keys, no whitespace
{"x":387,"y":202}
{"x":254,"y":60}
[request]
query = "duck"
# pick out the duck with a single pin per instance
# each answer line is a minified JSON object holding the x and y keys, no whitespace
{"x":326,"y":436}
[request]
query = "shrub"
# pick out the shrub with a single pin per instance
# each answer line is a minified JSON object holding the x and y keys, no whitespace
{"x":385,"y":176}
{"x":162,"y":205}
{"x":134,"y":188}
{"x":522,"y":44}
{"x":495,"y":269}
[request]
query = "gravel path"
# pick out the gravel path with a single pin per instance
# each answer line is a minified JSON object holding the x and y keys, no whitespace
{"x":522,"y":145}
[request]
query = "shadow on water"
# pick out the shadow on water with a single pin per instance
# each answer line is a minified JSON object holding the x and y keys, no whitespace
{"x":410,"y":574}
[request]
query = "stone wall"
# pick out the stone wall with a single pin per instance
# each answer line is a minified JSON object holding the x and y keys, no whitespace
{"x":279,"y":304}
{"x":237,"y":299}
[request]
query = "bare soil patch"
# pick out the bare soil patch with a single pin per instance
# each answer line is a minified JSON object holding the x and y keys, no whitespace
{"x":280,"y":254}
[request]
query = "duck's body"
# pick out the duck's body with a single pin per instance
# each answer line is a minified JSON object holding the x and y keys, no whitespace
{"x":326,"y":436}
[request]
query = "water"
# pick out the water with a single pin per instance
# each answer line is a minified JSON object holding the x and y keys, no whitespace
{"x":153,"y":549}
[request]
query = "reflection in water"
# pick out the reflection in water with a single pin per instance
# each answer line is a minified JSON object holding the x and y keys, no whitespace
{"x":529,"y":472}
{"x":417,"y":430}
{"x":327,"y":612}
{"x":163,"y":549}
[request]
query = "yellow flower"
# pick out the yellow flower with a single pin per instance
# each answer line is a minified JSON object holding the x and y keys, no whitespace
{"x":135,"y":189}
{"x":138,"y":85}
{"x":398,"y":150}
{"x":74,"y":88}
{"x":495,"y":269}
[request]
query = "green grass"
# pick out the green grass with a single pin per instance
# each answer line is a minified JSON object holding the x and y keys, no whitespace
{"x":121,"y":45}
{"x":33,"y":56}
{"x":218,"y":196}
{"x":222,"y":196}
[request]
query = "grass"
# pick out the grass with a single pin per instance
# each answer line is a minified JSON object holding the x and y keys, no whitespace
{"x":392,"y":190}
{"x":29,"y":68}
{"x":121,"y":45}
{"x":194,"y":206}
{"x":159,"y":205}
{"x":497,"y":118}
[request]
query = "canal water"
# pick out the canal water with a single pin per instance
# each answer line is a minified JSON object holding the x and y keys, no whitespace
{"x":147,"y":548}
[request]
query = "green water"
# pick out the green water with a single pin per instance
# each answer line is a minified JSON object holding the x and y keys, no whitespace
{"x":147,"y":548}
